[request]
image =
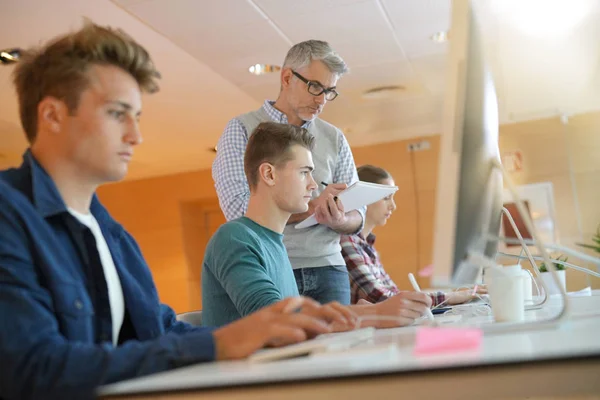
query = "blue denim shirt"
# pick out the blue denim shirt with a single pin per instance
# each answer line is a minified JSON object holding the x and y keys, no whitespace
{"x":54,"y":328}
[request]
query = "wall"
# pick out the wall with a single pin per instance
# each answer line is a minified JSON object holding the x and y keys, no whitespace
{"x":167,"y":217}
{"x":405,"y":243}
{"x":568,"y":156}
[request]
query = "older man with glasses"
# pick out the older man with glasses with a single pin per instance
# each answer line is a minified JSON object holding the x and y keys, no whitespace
{"x":309,"y":79}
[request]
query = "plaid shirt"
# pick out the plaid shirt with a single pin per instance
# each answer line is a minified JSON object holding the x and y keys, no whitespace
{"x":368,"y":279}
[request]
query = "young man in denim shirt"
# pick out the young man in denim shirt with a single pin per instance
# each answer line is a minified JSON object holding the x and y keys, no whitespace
{"x":78,"y":307}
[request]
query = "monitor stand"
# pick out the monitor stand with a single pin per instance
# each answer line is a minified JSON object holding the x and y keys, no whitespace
{"x":478,"y":258}
{"x":524,"y":248}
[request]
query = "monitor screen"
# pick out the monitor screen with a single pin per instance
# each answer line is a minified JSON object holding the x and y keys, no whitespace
{"x":469,"y":191}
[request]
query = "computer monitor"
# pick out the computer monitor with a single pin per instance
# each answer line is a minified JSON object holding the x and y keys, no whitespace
{"x":469,"y":191}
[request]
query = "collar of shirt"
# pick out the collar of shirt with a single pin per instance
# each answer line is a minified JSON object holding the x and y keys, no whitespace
{"x":47,"y":199}
{"x":277,"y":115}
{"x":369,"y":241}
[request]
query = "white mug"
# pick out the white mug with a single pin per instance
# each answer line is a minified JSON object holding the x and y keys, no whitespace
{"x":506,"y":289}
{"x":514,"y":270}
{"x":527,"y":286}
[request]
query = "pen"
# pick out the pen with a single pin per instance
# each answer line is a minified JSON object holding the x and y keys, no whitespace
{"x":415,"y":286}
{"x":326,"y":184}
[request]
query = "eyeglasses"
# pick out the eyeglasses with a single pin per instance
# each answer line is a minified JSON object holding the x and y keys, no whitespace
{"x":316,"y":89}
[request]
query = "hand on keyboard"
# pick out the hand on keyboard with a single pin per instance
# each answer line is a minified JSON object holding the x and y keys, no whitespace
{"x":340,"y":317}
{"x":289,"y":321}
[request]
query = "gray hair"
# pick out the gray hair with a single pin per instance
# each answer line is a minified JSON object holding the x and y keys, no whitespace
{"x":303,"y":53}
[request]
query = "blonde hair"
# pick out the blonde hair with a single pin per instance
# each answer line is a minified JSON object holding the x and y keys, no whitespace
{"x":59,"y":69}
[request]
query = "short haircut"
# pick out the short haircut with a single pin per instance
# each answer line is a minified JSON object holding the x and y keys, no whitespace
{"x":303,"y":53}
{"x":370,"y":173}
{"x":271,"y":142}
{"x":60,"y":68}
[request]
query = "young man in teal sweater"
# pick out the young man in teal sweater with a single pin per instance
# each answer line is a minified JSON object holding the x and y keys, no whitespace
{"x":246,"y":266}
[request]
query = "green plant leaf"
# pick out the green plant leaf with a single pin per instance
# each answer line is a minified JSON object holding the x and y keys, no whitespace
{"x":542,"y":267}
{"x":589,"y":246}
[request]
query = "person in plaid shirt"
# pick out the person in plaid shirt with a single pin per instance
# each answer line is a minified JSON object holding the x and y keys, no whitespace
{"x":368,"y":279}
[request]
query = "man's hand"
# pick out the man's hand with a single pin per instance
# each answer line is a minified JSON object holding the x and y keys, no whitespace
{"x":404,"y":308}
{"x":330,"y":191}
{"x":289,"y":321}
{"x":341,"y":317}
{"x":331,"y":213}
{"x":328,"y":211}
{"x":459,"y":297}
{"x":333,"y":189}
{"x":465,"y":295}
{"x":479,"y":289}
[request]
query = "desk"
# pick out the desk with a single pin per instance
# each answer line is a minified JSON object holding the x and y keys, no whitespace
{"x":550,"y":362}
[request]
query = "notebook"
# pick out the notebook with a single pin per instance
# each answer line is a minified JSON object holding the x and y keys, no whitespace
{"x":357,"y":195}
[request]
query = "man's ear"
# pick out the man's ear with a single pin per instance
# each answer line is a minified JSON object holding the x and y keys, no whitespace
{"x":266,"y":173}
{"x":286,"y":77}
{"x":52,"y":113}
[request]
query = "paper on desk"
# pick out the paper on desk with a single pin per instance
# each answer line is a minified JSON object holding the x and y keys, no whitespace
{"x":357,"y":195}
{"x":441,"y":340}
{"x":580,"y":293}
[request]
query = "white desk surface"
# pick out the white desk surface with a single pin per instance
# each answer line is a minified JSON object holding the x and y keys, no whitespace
{"x":391,"y":352}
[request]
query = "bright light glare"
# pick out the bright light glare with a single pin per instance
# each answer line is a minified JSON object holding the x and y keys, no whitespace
{"x":256,"y":69}
{"x":543,"y":17}
{"x":7,"y":56}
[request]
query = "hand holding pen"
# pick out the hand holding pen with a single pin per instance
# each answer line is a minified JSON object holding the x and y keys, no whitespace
{"x":329,"y":211}
{"x":416,"y":287}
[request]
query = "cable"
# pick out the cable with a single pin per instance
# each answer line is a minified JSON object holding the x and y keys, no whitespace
{"x":529,"y":256}
{"x":521,"y":240}
{"x":552,"y":246}
{"x":417,"y":208}
{"x":555,"y":261}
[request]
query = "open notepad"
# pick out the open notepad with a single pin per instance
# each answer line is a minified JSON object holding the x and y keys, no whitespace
{"x":357,"y":195}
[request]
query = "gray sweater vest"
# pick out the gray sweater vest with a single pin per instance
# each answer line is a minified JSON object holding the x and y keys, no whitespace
{"x":316,"y":246}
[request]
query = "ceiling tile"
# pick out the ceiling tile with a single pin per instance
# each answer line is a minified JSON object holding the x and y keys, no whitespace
{"x":235,"y":44}
{"x":200,"y":19}
{"x":334,"y":24}
{"x":432,"y":71}
{"x":385,"y":74}
{"x":368,"y":50}
{"x":129,"y":3}
{"x":277,"y":9}
{"x":416,"y":20}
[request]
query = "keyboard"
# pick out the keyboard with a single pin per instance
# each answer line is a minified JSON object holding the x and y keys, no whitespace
{"x":320,"y":344}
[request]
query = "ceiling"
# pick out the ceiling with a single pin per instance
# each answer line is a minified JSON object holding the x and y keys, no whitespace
{"x":203,"y":49}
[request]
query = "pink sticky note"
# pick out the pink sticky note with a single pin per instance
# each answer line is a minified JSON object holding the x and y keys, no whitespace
{"x":432,"y":340}
{"x":426,"y":271}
